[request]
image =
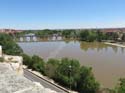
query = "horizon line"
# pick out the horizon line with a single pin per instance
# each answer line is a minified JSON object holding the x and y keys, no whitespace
{"x":67,"y":28}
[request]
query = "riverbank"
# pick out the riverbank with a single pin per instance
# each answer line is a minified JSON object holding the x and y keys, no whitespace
{"x":115,"y":44}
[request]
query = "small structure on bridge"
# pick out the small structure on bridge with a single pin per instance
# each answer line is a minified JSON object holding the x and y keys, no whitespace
{"x":30,"y":35}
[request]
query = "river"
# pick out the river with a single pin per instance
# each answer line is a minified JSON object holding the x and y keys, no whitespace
{"x":108,"y":62}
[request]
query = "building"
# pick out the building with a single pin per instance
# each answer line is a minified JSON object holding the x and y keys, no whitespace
{"x":0,"y":51}
{"x":10,"y":31}
{"x":113,"y":30}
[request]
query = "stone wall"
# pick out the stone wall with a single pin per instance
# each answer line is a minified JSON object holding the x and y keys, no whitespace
{"x":16,"y":63}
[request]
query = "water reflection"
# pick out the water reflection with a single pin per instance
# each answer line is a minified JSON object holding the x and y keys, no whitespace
{"x":87,"y":46}
{"x":99,"y":47}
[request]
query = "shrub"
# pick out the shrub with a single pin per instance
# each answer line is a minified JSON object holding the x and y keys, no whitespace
{"x":1,"y":59}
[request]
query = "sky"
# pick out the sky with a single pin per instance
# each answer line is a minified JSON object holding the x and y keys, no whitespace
{"x":62,"y":14}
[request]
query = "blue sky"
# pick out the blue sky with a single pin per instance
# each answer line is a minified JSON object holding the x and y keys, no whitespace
{"x":56,"y":14}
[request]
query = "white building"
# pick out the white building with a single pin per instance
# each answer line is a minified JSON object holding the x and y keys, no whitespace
{"x":0,"y":51}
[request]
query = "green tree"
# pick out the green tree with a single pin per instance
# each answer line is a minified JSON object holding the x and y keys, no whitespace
{"x":38,"y":64}
{"x":123,"y":37}
{"x":51,"y":67}
{"x":120,"y":88}
{"x":26,"y":60}
{"x":66,"y":33}
{"x":9,"y":46}
{"x":84,"y":35}
{"x":92,"y":36}
{"x":101,"y":36}
{"x":67,"y":72}
{"x":86,"y":81}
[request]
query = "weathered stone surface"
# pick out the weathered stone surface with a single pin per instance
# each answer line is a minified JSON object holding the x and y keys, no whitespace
{"x":10,"y":82}
{"x":15,"y":62}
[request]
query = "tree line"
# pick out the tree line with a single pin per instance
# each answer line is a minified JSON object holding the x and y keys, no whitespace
{"x":88,"y":35}
{"x":66,"y":72}
{"x":8,"y":45}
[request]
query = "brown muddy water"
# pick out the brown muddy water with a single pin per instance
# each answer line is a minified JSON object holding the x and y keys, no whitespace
{"x":108,"y":62}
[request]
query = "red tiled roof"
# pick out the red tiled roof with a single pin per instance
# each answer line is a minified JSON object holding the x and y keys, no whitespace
{"x":9,"y":31}
{"x":113,"y":30}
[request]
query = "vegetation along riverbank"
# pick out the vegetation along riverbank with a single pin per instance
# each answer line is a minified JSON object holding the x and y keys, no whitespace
{"x":88,"y":35}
